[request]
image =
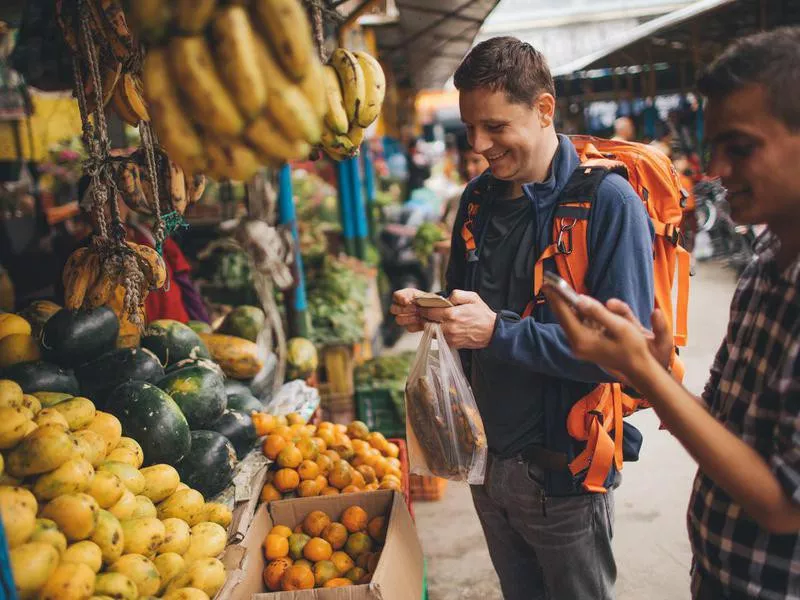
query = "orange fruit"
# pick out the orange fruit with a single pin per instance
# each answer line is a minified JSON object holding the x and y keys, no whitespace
{"x":371,"y":487}
{"x":381,"y":467}
{"x":321,"y":445}
{"x":324,"y":571}
{"x":358,"y":430}
{"x":363,"y":560}
{"x":281,"y":420}
{"x":338,"y":582}
{"x":324,"y":463}
{"x":308,"y":469}
{"x":308,"y":448}
{"x":357,"y":479}
{"x":371,"y":459}
{"x":281,"y":530}
{"x":317,"y":549}
{"x":357,"y":461}
{"x":360,"y":446}
{"x":390,"y":484}
{"x":308,"y":488}
{"x":355,"y":519}
{"x":275,"y":546}
{"x":377,"y":529}
{"x":311,"y":430}
{"x":295,"y":419}
{"x":340,"y":428}
{"x":355,"y":574}
{"x":284,"y":432}
{"x":357,"y":544}
{"x":367,"y":473}
{"x":377,"y":440}
{"x":269,"y":493}
{"x":342,"y":561}
{"x":333,"y":455}
{"x":273,"y":445}
{"x":394,"y":463}
{"x":297,"y":577}
{"x":324,"y":425}
{"x":328,"y":437}
{"x":392,"y":450}
{"x":322,"y":481}
{"x":373,"y":561}
{"x":274,"y":572}
{"x":297,"y":541}
{"x":392,"y":477}
{"x":286,"y":480}
{"x":298,"y":432}
{"x":336,"y":535}
{"x":351,"y":489}
{"x":329,"y":491}
{"x":344,"y":447}
{"x":304,"y":563}
{"x":315,"y":523}
{"x":264,"y":423}
{"x":340,"y":476}
{"x":290,"y":457}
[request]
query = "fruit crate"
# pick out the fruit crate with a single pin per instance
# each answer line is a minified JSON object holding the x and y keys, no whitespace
{"x":404,"y":469}
{"x":426,"y":488}
{"x":381,"y":408}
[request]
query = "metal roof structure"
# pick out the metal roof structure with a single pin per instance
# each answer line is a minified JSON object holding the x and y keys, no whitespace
{"x":429,"y":38}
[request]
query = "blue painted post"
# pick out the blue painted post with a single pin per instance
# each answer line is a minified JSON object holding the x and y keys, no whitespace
{"x":369,"y":188}
{"x":299,"y":323}
{"x":359,"y":210}
{"x":7,"y":590}
{"x":344,"y":177}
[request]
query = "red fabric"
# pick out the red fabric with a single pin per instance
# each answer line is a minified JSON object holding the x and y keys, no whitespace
{"x":166,"y":303}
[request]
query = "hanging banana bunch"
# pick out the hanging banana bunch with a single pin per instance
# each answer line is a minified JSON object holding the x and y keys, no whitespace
{"x":355,"y":86}
{"x":230,"y":86}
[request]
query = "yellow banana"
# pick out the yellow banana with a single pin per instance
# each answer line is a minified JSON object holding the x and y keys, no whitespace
{"x":356,"y":136}
{"x":234,"y":45}
{"x":150,"y":18}
{"x":352,"y":79}
{"x":66,"y":17}
{"x":109,"y":75}
{"x":127,"y":101}
{"x":374,"y":86}
{"x":195,"y":186}
{"x":101,"y":290}
{"x":174,"y":129}
{"x":285,"y":24}
{"x":263,"y":135}
{"x":313,"y":87}
{"x":177,"y":187}
{"x":192,"y":16}
{"x":71,"y":266}
{"x":337,"y":143}
{"x":229,"y":159}
{"x":84,"y":277}
{"x":286,"y":104}
{"x":209,"y":102}
{"x":151,"y":263}
{"x":336,"y":115}
{"x":110,"y":21}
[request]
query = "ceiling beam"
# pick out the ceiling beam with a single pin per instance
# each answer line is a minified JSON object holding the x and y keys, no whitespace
{"x":433,"y":25}
{"x":436,"y":11}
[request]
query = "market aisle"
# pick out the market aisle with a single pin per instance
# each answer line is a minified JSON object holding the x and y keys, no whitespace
{"x":651,"y":541}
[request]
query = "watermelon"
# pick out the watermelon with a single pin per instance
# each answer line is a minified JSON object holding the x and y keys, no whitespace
{"x":37,"y":313}
{"x":199,"y":392}
{"x":234,"y":386}
{"x":245,"y":403}
{"x":172,"y":341}
{"x":208,"y":467}
{"x":41,"y":376}
{"x":153,"y":419}
{"x":244,"y":322}
{"x":301,"y":358}
{"x":196,"y":362}
{"x":73,"y":337}
{"x":238,"y":427}
{"x":99,"y":377}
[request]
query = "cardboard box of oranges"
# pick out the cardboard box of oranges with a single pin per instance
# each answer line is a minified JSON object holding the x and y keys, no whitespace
{"x":314,"y":547}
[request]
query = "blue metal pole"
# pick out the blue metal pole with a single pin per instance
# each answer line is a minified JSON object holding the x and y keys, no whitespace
{"x":359,"y":210}
{"x":300,"y":323}
{"x":7,"y":590}
{"x":344,"y":176}
{"x":369,"y":188}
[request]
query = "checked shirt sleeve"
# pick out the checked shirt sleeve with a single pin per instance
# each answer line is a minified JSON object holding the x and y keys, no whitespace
{"x":786,"y":461}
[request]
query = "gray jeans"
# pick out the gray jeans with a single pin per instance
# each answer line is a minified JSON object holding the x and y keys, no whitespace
{"x":544,"y":547}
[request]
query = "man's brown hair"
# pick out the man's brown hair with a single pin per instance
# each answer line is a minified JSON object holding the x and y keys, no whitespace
{"x":509,"y":65}
{"x":770,"y":59}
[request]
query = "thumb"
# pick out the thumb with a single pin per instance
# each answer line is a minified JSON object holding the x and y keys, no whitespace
{"x":660,"y":326}
{"x":462,"y":297}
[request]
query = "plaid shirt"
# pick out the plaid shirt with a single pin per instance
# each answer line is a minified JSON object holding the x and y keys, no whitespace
{"x":754,"y":390}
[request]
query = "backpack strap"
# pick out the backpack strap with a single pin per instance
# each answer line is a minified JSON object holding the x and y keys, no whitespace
{"x":468,"y":229}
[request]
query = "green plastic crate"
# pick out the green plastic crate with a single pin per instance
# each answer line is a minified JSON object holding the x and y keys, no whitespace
{"x":382,"y":408}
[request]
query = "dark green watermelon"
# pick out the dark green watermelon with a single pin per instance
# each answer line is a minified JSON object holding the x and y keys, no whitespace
{"x":234,"y":386}
{"x":196,"y":362}
{"x":199,"y":392}
{"x":245,"y":403}
{"x":99,"y":377}
{"x":152,"y":418}
{"x":42,"y":376}
{"x":244,"y":322}
{"x":238,"y":427}
{"x":208,"y":467}
{"x":172,"y":341}
{"x":73,"y":337}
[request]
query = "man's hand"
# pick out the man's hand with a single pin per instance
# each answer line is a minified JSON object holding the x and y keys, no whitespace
{"x":469,"y":325}
{"x":406,"y":313}
{"x":620,"y":344}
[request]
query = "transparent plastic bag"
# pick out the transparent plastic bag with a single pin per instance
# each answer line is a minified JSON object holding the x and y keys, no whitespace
{"x":443,"y":426}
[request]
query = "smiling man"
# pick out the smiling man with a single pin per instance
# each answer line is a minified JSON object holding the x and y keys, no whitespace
{"x":547,"y":537}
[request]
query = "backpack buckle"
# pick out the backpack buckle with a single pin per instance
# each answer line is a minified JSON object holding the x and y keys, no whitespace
{"x":673,"y":234}
{"x":566,"y":228}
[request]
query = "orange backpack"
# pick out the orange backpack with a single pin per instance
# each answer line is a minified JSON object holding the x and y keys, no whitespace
{"x":595,"y":417}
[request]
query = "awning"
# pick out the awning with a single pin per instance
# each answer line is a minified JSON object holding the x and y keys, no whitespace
{"x":430,"y":38}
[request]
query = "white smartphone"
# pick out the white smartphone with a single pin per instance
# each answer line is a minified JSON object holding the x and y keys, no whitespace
{"x":562,"y":288}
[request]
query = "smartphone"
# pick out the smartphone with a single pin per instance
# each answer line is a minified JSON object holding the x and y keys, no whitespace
{"x":562,"y":288}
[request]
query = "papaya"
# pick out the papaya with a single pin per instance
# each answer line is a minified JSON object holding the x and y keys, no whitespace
{"x":237,"y":357}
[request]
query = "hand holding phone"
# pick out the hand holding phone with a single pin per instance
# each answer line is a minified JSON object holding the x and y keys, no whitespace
{"x":562,"y":288}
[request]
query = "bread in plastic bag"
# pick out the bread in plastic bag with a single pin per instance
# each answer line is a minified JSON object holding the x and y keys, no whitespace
{"x":443,"y":426}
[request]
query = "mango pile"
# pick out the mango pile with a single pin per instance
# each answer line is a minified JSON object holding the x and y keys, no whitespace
{"x":324,"y":553}
{"x":327,"y":459}
{"x":84,"y":519}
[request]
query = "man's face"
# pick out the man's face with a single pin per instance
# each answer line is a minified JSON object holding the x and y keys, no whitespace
{"x":474,"y":164}
{"x":751,"y":152}
{"x":507,"y":134}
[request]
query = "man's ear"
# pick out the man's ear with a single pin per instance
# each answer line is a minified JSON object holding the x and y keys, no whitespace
{"x":545,"y":104}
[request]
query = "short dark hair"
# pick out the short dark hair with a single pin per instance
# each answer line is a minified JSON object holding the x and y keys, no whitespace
{"x":509,"y":65}
{"x":770,"y":59}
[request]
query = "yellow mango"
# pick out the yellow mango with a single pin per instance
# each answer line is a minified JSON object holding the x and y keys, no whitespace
{"x":143,"y":536}
{"x":18,"y":511}
{"x":73,"y":476}
{"x":177,"y":536}
{"x":43,"y":450}
{"x":75,"y":514}
{"x":126,"y":443}
{"x":207,"y":575}
{"x":124,"y":508}
{"x":109,"y":537}
{"x":78,"y":412}
{"x":185,"y":594}
{"x":108,"y":427}
{"x":31,"y":565}
{"x":207,"y":541}
{"x":169,"y":565}
{"x":128,"y":474}
{"x":106,"y":488}
{"x":46,"y":531}
{"x":69,"y":581}
{"x":31,"y":403}
{"x":184,"y":504}
{"x":144,"y":508}
{"x":141,"y":571}
{"x":91,"y":446}
{"x":10,"y":393}
{"x":13,"y":426}
{"x":160,"y":481}
{"x":115,"y":585}
{"x":50,"y":416}
{"x":85,"y":552}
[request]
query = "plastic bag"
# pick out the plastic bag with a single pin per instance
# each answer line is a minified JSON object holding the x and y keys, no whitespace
{"x":443,"y":426}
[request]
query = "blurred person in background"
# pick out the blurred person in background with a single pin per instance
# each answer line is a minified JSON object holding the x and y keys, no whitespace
{"x":624,"y":130}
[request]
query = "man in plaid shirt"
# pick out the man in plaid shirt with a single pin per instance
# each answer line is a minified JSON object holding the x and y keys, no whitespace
{"x":744,"y":513}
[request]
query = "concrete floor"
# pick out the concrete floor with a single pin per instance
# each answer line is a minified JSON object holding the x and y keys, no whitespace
{"x":650,"y":541}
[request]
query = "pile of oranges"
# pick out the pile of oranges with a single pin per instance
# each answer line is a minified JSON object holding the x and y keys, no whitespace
{"x":321,"y":552}
{"x":327,"y":459}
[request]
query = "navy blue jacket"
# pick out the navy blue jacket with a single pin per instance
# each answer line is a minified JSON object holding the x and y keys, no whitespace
{"x":534,"y":350}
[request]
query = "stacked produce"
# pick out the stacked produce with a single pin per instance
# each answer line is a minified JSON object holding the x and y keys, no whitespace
{"x":324,"y":553}
{"x":83,"y":516}
{"x":337,"y":296}
{"x":232,"y":86}
{"x":355,"y":86}
{"x":324,"y":460}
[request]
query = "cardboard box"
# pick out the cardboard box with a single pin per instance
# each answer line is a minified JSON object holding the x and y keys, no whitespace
{"x":398,"y":575}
